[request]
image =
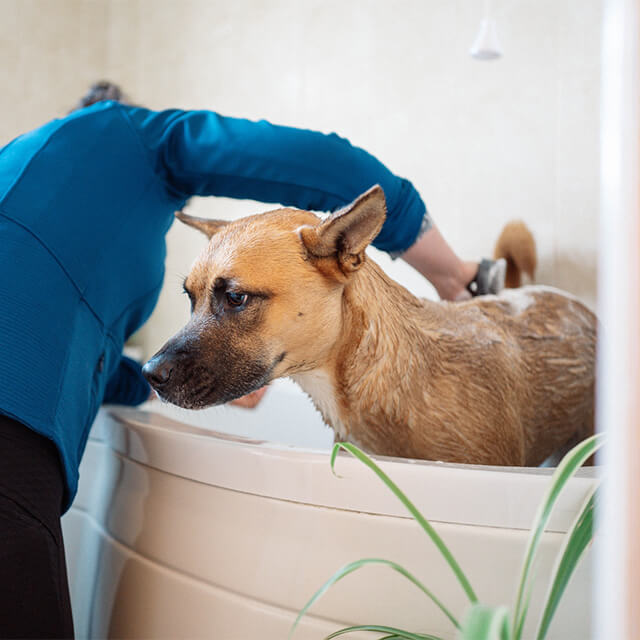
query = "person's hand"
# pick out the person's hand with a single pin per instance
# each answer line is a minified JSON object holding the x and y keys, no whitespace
{"x":251,"y":400}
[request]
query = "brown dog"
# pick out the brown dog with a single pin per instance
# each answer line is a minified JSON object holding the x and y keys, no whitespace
{"x":502,"y":380}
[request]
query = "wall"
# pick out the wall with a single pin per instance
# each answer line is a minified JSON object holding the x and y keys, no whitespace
{"x":50,"y":51}
{"x":483,"y":142}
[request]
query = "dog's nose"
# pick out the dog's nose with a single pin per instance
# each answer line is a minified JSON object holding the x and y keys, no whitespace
{"x":157,"y":371}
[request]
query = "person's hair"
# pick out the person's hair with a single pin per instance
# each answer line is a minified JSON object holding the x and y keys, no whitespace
{"x":99,"y":91}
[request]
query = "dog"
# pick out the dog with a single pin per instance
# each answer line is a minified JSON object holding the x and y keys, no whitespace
{"x":497,"y":380}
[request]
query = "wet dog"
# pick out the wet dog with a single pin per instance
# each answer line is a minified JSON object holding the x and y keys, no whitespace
{"x":504,"y":380}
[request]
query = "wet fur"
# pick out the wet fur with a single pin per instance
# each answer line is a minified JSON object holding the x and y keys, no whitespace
{"x":481,"y":382}
{"x":503,"y":380}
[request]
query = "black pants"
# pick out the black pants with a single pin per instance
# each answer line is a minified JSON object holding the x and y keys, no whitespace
{"x":34,"y":593}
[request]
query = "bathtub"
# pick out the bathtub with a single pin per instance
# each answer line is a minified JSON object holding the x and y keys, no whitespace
{"x":222,"y":523}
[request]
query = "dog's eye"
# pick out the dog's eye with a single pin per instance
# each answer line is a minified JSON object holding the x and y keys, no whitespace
{"x":236,"y":299}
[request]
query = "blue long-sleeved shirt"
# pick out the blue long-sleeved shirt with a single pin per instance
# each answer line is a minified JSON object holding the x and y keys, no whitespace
{"x":85,"y":203}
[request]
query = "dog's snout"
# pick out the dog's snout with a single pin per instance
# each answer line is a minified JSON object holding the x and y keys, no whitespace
{"x":157,"y":371}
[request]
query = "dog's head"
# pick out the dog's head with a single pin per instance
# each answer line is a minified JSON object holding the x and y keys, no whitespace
{"x":266,"y":300}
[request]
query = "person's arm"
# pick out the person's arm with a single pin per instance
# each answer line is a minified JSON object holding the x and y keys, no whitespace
{"x":432,"y":256}
{"x":203,"y":153}
{"x":127,"y":384}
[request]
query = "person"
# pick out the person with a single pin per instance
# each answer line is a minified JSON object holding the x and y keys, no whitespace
{"x":85,"y":203}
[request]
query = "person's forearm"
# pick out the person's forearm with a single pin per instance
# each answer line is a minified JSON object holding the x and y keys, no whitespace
{"x":436,"y":261}
{"x":127,"y":385}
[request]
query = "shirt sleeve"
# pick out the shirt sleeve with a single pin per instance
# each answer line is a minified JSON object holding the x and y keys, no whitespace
{"x":204,"y":153}
{"x":127,"y":384}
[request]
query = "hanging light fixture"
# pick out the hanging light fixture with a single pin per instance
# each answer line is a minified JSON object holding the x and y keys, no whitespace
{"x":486,"y":45}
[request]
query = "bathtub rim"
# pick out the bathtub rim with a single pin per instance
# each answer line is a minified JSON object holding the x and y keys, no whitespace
{"x":303,"y":476}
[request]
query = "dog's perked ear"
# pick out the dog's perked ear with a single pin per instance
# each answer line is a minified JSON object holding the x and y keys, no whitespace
{"x":346,"y":233}
{"x":208,"y":226}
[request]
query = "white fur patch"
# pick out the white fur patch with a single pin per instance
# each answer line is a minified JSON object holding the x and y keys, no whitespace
{"x":519,"y":299}
{"x":318,"y":385}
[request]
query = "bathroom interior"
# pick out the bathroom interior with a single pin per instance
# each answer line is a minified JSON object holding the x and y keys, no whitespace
{"x":222,"y":523}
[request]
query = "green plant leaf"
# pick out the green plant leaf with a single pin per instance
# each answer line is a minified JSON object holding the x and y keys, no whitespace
{"x":567,"y":468}
{"x":421,"y":520}
{"x":486,"y":623}
{"x":576,"y":541}
{"x":353,"y":566}
{"x":395,"y":633}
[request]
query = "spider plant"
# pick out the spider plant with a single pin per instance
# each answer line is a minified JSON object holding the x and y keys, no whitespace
{"x":483,"y":622}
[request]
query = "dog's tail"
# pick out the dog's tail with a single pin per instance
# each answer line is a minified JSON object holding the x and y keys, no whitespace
{"x":517,"y":246}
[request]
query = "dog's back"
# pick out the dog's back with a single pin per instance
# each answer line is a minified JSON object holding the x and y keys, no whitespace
{"x":552,"y":337}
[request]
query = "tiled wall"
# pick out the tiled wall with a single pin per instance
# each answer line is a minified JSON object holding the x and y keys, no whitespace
{"x":483,"y":142}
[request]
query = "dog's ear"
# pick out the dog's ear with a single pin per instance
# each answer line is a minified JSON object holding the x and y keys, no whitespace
{"x":206,"y":225}
{"x":346,"y":233}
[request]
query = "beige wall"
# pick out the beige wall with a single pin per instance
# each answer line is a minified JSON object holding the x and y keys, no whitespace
{"x":483,"y":142}
{"x":49,"y":51}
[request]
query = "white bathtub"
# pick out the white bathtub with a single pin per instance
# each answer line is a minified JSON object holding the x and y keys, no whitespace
{"x":184,"y":532}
